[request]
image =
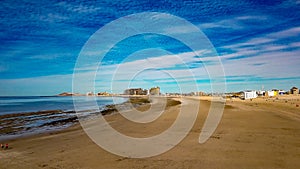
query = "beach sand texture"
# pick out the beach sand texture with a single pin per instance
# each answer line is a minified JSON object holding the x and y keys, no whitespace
{"x":262,"y":133}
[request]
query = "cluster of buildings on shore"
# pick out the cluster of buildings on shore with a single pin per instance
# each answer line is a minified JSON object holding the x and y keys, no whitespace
{"x":156,"y":91}
{"x":247,"y":94}
{"x":251,"y":94}
{"x":131,"y":91}
{"x":140,"y":91}
{"x":188,"y":94}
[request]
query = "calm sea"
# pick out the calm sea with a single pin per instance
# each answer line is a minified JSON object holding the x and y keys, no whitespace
{"x":36,"y":114}
{"x":22,"y":104}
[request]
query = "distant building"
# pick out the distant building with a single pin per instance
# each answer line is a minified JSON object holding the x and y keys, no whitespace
{"x":173,"y":94}
{"x":294,"y":90}
{"x":146,"y":92}
{"x":270,"y":93}
{"x":261,"y":93}
{"x":198,"y":94}
{"x":154,"y":91}
{"x":90,"y":94}
{"x":136,"y":91}
{"x":237,"y":94}
{"x":281,"y":92}
{"x":103,"y":94}
{"x":249,"y":94}
{"x":276,"y":92}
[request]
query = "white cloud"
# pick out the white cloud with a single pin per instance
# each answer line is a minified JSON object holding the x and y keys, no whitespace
{"x":259,"y":41}
{"x":79,"y":8}
{"x":295,"y":31}
{"x":251,"y":17}
{"x":268,"y":43}
{"x":50,"y":17}
{"x":40,"y":85}
{"x":264,"y":57}
{"x":128,"y":69}
{"x":272,"y":65}
{"x":50,"y":56}
{"x":232,"y":23}
{"x":295,"y":44}
{"x":180,"y":29}
{"x":268,"y":48}
{"x":150,"y":69}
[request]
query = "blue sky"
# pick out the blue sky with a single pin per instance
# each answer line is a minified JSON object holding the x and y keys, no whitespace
{"x":258,"y":43}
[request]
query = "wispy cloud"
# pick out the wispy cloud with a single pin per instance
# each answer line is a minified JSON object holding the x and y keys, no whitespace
{"x":50,"y":17}
{"x":292,"y":32}
{"x":36,"y":85}
{"x":79,"y":8}
{"x":239,"y":22}
{"x":179,"y":29}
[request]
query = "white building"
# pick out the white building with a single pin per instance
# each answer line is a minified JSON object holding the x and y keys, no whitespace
{"x":281,"y":92}
{"x":261,"y":93}
{"x":249,"y":94}
{"x":271,"y":93}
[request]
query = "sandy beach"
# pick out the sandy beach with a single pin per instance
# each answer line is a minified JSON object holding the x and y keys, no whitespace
{"x":262,"y":133}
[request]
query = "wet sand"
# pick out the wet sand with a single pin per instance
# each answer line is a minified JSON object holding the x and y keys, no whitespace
{"x":262,"y":133}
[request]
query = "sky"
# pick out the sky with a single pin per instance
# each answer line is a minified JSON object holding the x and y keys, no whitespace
{"x":256,"y":45}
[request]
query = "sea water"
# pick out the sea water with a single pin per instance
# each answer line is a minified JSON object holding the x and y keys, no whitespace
{"x":35,"y":114}
{"x":20,"y":104}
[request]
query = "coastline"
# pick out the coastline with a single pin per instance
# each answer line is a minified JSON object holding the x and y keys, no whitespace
{"x":13,"y":125}
{"x":251,"y":134}
{"x":28,"y":123}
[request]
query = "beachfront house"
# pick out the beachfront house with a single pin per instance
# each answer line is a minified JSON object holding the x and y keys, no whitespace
{"x":249,"y":94}
{"x":198,"y":94}
{"x":136,"y":91}
{"x":261,"y":93}
{"x":276,"y":92}
{"x":154,"y":91}
{"x":281,"y":92}
{"x":294,"y":90}
{"x":270,"y":93}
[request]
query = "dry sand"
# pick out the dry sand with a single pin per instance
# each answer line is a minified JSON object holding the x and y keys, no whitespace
{"x":262,"y":133}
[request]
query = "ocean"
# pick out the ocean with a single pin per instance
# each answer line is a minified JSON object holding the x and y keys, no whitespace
{"x":34,"y":114}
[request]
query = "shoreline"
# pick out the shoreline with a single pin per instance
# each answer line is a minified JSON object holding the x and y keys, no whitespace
{"x":290,"y":101}
{"x":251,"y":134}
{"x":67,"y":119}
